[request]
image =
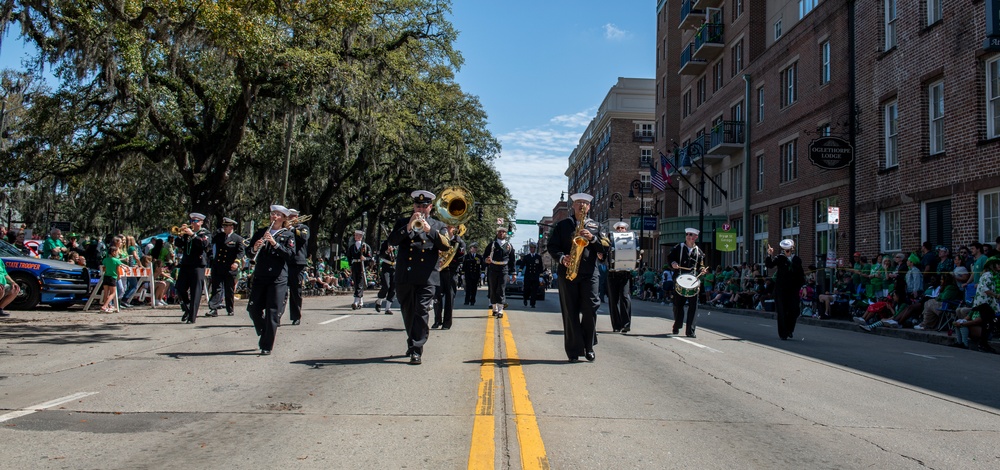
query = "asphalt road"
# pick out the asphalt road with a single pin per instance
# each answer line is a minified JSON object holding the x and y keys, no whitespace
{"x":141,"y":390}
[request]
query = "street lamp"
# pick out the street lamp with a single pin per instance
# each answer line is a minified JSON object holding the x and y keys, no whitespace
{"x":616,"y":198}
{"x":695,"y":151}
{"x":637,"y":186}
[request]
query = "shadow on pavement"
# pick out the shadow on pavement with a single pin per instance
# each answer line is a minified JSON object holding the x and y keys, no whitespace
{"x":319,"y":363}
{"x":14,"y":333}
{"x":238,"y":352}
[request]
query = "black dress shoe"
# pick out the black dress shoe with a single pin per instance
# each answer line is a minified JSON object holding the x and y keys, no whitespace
{"x":212,"y":313}
{"x":626,"y":330}
{"x":436,"y":325}
{"x":616,"y":330}
{"x":184,"y":318}
{"x":445,"y":327}
{"x":676,"y":332}
{"x":590,"y":356}
{"x":378,"y":306}
{"x":265,"y":352}
{"x":190,"y":320}
{"x":229,"y":313}
{"x":574,"y":359}
{"x":415,"y":358}
{"x":296,"y":322}
{"x":691,"y":335}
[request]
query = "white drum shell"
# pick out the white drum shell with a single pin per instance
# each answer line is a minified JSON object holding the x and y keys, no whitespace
{"x":626,"y":254}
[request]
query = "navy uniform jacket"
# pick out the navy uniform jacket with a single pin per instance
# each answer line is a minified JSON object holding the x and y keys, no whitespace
{"x":354,"y":254}
{"x":272,"y":262}
{"x":694,"y":259}
{"x":228,"y":249}
{"x":418,"y":252}
{"x":561,"y":243}
{"x":503,"y":256}
{"x":472,"y":265}
{"x":532,"y":265}
{"x":386,"y":256}
{"x":789,"y":277}
{"x":194,"y":249}
{"x":301,"y":232}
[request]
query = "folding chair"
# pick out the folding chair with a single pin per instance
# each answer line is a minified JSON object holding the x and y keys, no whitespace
{"x":948,"y":313}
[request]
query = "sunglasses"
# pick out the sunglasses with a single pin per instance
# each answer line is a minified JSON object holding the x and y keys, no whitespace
{"x":421,"y":204}
{"x":690,"y":235}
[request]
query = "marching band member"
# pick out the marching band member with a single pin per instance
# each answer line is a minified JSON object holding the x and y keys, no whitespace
{"x":619,"y":299}
{"x":387,"y":268}
{"x":420,"y":240}
{"x":788,"y":279}
{"x":274,"y":247}
{"x":228,"y":247}
{"x":296,"y":266}
{"x":533,"y":267}
{"x":686,"y":258}
{"x":578,"y":297}
{"x":194,"y":243}
{"x":499,"y":261}
{"x":357,"y":254}
{"x":472,"y":268}
{"x":444,"y":303}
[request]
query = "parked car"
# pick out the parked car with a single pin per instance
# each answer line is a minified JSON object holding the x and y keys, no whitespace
{"x":516,"y":289}
{"x":45,"y":281}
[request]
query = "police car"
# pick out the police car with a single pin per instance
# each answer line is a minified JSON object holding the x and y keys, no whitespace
{"x":45,"y":281}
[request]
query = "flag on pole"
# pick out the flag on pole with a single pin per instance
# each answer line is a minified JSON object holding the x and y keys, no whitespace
{"x":656,"y":179}
{"x":665,"y":168}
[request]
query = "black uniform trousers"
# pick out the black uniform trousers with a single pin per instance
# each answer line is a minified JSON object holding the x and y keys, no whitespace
{"x":190,"y":286}
{"x":786,"y":306}
{"x":471,"y":286}
{"x":579,"y":302}
{"x":445,"y":298}
{"x":619,"y":299}
{"x":496,"y":279}
{"x":530,"y":289}
{"x":358,"y":278}
{"x":295,"y":291}
{"x":415,"y":303}
{"x":692,"y":312}
{"x":388,"y":277}
{"x":223,"y":289}
{"x":267,"y":304}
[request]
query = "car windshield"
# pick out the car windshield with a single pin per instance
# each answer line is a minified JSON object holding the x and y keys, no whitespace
{"x":6,"y":249}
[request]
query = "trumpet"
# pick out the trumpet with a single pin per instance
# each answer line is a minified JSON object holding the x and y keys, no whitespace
{"x":420,"y":223}
{"x":178,"y":231}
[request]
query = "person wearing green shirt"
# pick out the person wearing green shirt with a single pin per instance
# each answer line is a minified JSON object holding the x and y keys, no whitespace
{"x":979,"y":260}
{"x":8,"y":290}
{"x":110,"y":281}
{"x":53,"y":247}
{"x":932,"y":308}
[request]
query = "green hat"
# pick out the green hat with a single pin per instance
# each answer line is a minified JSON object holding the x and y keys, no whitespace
{"x":914,"y":258}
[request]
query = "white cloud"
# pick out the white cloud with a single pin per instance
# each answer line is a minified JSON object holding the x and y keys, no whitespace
{"x":613,"y":33}
{"x":580,"y":119}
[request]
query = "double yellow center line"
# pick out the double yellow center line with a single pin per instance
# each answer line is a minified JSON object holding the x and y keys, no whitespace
{"x":482,"y":453}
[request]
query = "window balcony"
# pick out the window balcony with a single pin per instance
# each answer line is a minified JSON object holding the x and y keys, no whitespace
{"x":706,"y":3}
{"x":727,"y":138}
{"x":708,"y":42}
{"x":643,"y":136}
{"x":690,"y":65}
{"x":690,"y":17}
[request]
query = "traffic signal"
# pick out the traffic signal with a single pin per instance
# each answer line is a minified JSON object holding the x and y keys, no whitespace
{"x":541,"y":236}
{"x":510,"y":230}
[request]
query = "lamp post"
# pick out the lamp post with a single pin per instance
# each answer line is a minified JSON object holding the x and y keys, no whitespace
{"x":616,"y":198}
{"x":637,"y":186}
{"x":694,"y":151}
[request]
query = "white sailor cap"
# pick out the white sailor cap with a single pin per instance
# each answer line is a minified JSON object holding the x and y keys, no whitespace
{"x":359,"y":232}
{"x":621,"y":224}
{"x":293,"y":212}
{"x":581,"y":197}
{"x":787,"y":244}
{"x":422,"y":197}
{"x":280,"y":208}
{"x":196,"y":215}
{"x":692,"y":230}
{"x":228,"y":221}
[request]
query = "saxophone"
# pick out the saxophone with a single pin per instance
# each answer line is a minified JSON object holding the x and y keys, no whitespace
{"x":576,"y":251}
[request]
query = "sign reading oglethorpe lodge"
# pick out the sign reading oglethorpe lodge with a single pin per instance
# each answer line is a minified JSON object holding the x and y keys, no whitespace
{"x":831,"y":153}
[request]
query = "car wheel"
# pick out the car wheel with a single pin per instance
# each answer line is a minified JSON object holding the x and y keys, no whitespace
{"x":31,"y":292}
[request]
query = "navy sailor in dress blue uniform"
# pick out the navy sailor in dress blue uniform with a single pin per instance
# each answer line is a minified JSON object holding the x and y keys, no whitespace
{"x":578,"y":298}
{"x":444,"y":298}
{"x":358,"y":254}
{"x":420,"y":240}
{"x":788,"y":280}
{"x":190,"y":284}
{"x":472,"y":268}
{"x":273,"y":247}
{"x":387,"y":275}
{"x":228,"y":248}
{"x":499,"y":262}
{"x":297,"y":265}
{"x":619,"y":299}
{"x":686,"y":258}
{"x":533,"y":268}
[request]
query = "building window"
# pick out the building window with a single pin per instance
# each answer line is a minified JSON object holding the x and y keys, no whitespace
{"x":702,"y":96}
{"x":789,"y":162}
{"x":934,"y":11}
{"x":892,"y":240}
{"x":716,"y":193}
{"x":736,"y":112}
{"x":788,"y":82}
{"x":790,"y":223}
{"x":644,"y":129}
{"x":993,"y":98}
{"x":824,"y":70}
{"x":805,"y":6}
{"x":891,"y":134}
{"x":717,"y":76}
{"x":645,"y":157}
{"x":736,"y":182}
{"x":737,"y":9}
{"x":777,"y":30}
{"x":760,"y":172}
{"x":989,"y":213}
{"x":685,"y":209}
{"x":935,"y":117}
{"x":760,"y":233}
{"x":760,"y":104}
{"x":687,"y":103}
{"x":890,"y":24}
{"x":645,"y":179}
{"x":822,"y":209}
{"x":825,"y":130}
{"x":737,"y":54}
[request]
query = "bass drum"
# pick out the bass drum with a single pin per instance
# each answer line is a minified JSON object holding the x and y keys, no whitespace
{"x":687,"y":285}
{"x":625,"y":256}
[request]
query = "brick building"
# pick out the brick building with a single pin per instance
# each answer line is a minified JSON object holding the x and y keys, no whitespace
{"x":755,"y":83}
{"x":929,"y":125}
{"x":614,"y":153}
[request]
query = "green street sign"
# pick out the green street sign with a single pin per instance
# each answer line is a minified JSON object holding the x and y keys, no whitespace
{"x":725,"y":241}
{"x":526,"y":222}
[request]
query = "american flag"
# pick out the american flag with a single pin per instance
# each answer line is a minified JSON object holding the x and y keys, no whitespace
{"x":656,"y":179}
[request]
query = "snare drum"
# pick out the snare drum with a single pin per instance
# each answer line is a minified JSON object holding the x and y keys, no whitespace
{"x":625,"y":254}
{"x":687,"y":285}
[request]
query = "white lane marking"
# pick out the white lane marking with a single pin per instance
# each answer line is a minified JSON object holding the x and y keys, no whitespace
{"x":696,"y":344}
{"x":49,"y":404}
{"x":334,"y":319}
{"x":924,"y":355}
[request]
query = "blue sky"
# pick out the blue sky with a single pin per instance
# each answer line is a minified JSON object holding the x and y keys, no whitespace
{"x":541,"y":68}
